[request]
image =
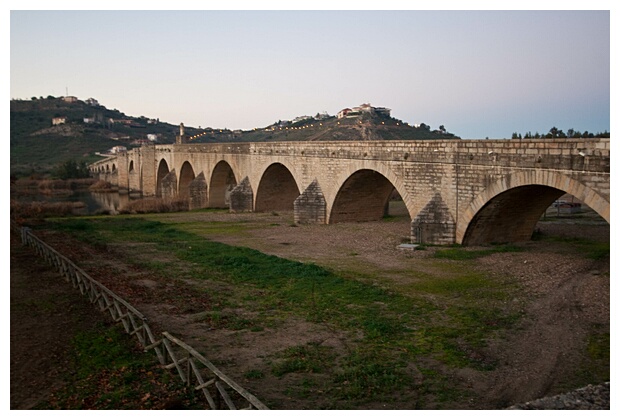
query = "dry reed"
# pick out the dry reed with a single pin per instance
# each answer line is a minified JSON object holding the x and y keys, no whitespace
{"x":155,"y":205}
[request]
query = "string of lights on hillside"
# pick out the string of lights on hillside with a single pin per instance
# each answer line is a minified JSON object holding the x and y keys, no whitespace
{"x":195,"y":136}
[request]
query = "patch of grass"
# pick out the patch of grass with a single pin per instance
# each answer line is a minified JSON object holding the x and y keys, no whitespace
{"x":309,"y":358}
{"x":598,"y":353}
{"x":368,"y":375}
{"x":437,"y":390}
{"x":227,"y":319}
{"x":594,"y":250}
{"x":110,"y":372}
{"x":463,"y":253}
{"x":595,"y":368}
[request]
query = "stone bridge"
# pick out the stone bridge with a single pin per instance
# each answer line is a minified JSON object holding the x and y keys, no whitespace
{"x":456,"y":191}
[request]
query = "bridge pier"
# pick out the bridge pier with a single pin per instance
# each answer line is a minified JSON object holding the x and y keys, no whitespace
{"x":198,"y":197}
{"x":168,"y":187}
{"x":242,"y":197}
{"x":434,"y":224}
{"x":310,"y":207}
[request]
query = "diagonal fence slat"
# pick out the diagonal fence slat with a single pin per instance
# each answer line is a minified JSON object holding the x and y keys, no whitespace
{"x":135,"y":324}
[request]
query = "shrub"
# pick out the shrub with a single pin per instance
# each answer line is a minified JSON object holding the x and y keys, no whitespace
{"x":155,"y":205}
{"x":102,"y":186}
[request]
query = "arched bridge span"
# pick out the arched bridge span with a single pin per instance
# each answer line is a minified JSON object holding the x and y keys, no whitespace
{"x":456,"y":191}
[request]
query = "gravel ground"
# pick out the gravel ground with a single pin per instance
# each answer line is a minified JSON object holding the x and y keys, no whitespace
{"x":591,"y":397}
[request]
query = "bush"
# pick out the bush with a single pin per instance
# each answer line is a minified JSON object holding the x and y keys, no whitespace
{"x":72,"y":170}
{"x":102,"y":186}
{"x":155,"y":205}
{"x":37,"y":210}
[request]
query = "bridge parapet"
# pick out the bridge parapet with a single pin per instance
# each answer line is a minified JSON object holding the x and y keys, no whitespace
{"x":567,"y":154}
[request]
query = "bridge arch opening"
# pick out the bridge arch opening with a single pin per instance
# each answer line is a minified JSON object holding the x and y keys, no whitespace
{"x":185,"y":178}
{"x":512,"y":215}
{"x":113,"y":167}
{"x":277,"y":189}
{"x":509,"y":209}
{"x":131,"y":168}
{"x":222,"y":182}
{"x":162,"y":171}
{"x":363,"y":197}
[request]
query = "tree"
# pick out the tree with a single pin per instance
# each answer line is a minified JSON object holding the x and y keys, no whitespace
{"x":72,"y":170}
{"x":553,"y":131}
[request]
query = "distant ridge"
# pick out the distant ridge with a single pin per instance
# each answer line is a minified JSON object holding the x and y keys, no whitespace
{"x":48,"y":131}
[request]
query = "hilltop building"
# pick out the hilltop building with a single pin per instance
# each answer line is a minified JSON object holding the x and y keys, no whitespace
{"x":364,"y":109}
{"x":118,"y":149}
{"x":92,"y":102}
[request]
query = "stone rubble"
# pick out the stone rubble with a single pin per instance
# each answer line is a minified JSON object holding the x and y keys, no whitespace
{"x":591,"y":397}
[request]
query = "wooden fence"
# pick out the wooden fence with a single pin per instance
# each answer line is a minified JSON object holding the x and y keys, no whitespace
{"x":194,"y":369}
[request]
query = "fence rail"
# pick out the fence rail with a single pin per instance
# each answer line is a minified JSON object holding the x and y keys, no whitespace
{"x":193,"y":368}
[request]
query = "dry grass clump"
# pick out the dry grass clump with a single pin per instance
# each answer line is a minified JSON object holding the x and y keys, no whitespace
{"x":155,"y":205}
{"x":102,"y":186}
{"x":53,"y":186}
{"x":36,"y":210}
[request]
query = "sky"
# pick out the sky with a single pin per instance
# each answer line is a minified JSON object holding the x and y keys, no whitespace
{"x":480,"y":73}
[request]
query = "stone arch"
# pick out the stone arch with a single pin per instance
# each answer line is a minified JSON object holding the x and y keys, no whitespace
{"x":508,"y":210}
{"x":131,"y":167}
{"x":113,"y":167}
{"x":186,"y":176}
{"x":222,"y":182}
{"x":277,"y":189}
{"x":107,"y":167}
{"x":162,"y":170}
{"x":365,"y":182}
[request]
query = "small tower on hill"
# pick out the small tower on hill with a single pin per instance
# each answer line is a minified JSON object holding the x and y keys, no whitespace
{"x":181,"y":138}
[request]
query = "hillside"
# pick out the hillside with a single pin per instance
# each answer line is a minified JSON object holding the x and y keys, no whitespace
{"x":37,"y":145}
{"x":359,"y":127}
{"x":48,"y":131}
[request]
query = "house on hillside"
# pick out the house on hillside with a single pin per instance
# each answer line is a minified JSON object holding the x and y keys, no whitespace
{"x":59,"y":120}
{"x":69,"y":99}
{"x":118,"y":149}
{"x":343,"y":113}
{"x":300,"y":119}
{"x":141,"y":142}
{"x":364,"y":109}
{"x":92,"y":102}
